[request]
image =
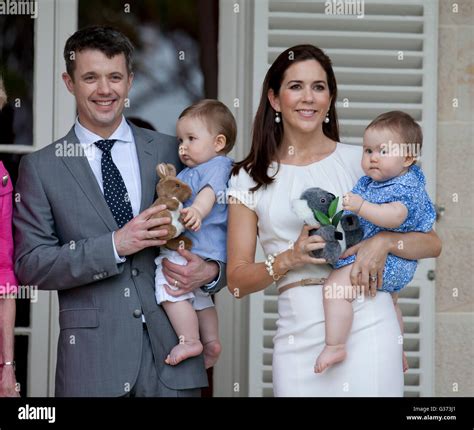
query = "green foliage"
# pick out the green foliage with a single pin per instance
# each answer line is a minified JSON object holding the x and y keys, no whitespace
{"x":337,"y":218}
{"x":333,"y":207}
{"x":332,"y":218}
{"x":322,"y":218}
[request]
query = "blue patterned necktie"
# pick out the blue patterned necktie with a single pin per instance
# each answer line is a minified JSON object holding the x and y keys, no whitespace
{"x":115,"y":191}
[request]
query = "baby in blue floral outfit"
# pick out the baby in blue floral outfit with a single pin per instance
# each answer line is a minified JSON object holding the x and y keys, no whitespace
{"x":392,"y":197}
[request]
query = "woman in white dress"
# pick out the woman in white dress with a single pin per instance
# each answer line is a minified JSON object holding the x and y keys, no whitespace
{"x":295,"y":145}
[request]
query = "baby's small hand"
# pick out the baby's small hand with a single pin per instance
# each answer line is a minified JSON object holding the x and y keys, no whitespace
{"x":191,"y":218}
{"x":352,"y":202}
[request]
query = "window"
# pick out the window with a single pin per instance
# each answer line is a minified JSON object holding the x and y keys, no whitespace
{"x":175,"y":57}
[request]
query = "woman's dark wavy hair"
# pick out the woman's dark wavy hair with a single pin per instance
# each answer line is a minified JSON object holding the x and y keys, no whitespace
{"x":267,"y":134}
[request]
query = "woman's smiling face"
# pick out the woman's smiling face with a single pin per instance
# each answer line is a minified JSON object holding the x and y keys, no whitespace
{"x":304,"y":97}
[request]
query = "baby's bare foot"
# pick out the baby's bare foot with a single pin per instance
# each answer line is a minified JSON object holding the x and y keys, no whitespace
{"x":405,"y":362}
{"x":331,"y":354}
{"x":212,"y":350}
{"x":184,"y":350}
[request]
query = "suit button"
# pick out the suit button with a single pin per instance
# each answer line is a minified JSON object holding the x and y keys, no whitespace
{"x":135,"y":272}
{"x":137,"y":313}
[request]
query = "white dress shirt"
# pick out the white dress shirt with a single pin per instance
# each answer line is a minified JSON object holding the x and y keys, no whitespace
{"x":124,"y":155}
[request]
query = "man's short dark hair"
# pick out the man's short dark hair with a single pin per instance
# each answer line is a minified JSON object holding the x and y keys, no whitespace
{"x":107,"y":40}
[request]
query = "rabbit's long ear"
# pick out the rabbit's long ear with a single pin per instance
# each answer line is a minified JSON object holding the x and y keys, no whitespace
{"x":162,"y":170}
{"x":171,"y":170}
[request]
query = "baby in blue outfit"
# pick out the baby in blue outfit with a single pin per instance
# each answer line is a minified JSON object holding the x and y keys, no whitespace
{"x":392,"y":197}
{"x":206,"y":132}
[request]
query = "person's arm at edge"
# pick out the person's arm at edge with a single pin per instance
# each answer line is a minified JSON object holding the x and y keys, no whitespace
{"x":7,"y":324}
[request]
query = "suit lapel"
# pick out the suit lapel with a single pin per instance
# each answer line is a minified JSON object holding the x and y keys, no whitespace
{"x":82,"y":173}
{"x":147,"y":158}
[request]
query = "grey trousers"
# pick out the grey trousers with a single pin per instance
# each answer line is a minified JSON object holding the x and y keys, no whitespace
{"x":148,"y":383}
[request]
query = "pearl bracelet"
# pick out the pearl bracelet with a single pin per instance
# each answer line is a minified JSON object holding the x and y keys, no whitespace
{"x":269,"y":266}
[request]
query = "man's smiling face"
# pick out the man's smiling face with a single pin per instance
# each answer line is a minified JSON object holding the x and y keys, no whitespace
{"x":100,"y":86}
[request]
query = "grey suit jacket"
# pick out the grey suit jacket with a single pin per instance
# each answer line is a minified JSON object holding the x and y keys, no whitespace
{"x":63,"y":242}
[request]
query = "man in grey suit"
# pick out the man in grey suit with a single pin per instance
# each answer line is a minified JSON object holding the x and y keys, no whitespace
{"x":83,"y":229}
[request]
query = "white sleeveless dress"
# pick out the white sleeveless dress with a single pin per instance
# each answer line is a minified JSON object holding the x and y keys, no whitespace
{"x":374,"y":362}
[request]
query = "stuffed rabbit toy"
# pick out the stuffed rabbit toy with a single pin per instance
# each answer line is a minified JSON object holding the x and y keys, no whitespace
{"x":173,"y":193}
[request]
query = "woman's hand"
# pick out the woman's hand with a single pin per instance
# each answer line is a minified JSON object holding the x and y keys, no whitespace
{"x":299,"y":253}
{"x":367,"y":270}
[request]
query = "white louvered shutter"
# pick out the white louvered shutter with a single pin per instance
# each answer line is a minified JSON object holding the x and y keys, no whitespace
{"x":384,"y":61}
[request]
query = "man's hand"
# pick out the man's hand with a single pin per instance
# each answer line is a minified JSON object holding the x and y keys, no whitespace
{"x":8,"y":387}
{"x":194,"y":274}
{"x":137,"y":234}
{"x":192,"y":218}
{"x":352,"y":202}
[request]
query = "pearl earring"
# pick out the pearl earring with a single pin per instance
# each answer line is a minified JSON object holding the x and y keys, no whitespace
{"x":277,"y":117}
{"x":326,"y":120}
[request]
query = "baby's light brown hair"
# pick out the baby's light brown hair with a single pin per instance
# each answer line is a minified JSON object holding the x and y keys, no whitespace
{"x":217,"y":117}
{"x":403,"y":125}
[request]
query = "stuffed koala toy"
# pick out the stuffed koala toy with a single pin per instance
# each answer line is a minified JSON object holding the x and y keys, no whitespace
{"x":317,"y":207}
{"x":173,"y":193}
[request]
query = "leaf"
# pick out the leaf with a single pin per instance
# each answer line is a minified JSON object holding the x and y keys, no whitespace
{"x":323,"y":219}
{"x":333,"y":207}
{"x":337,"y":218}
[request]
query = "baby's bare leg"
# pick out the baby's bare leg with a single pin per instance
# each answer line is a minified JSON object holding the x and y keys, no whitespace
{"x":402,"y":329}
{"x":208,"y":327}
{"x":338,"y":295}
{"x":184,"y":320}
